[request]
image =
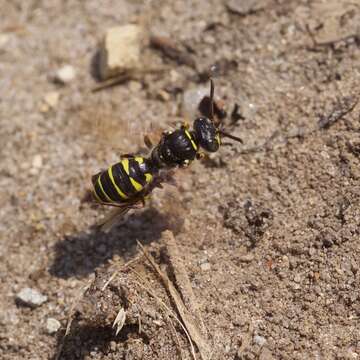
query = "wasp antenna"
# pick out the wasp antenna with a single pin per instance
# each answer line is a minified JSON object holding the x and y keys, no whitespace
{"x":212,"y":90}
{"x":235,"y":138}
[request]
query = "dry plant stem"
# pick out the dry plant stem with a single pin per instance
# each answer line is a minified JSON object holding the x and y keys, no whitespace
{"x":182,"y":279}
{"x":121,"y":78}
{"x":344,"y":107}
{"x":246,"y":341}
{"x":189,"y":323}
{"x":165,"y":307}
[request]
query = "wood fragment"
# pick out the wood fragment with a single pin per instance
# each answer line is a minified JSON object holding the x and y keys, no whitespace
{"x":182,"y":279}
{"x":343,"y":107}
{"x":189,"y":323}
{"x":169,"y":312}
{"x":122,"y":78}
{"x":172,"y":50}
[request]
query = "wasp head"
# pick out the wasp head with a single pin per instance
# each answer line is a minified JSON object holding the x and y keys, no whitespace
{"x":207,"y":134}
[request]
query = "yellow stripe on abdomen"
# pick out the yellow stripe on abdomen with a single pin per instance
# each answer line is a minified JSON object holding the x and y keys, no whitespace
{"x":125,"y":164}
{"x":115,"y":186}
{"x":103,"y":191}
{"x":138,"y":187}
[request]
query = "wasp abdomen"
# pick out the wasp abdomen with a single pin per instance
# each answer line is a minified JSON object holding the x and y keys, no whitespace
{"x":124,"y":181}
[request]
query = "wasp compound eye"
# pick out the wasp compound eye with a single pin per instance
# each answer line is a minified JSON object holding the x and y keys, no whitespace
{"x":206,"y":134}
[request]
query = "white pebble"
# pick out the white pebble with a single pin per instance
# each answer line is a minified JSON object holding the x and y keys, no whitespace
{"x":205,"y":267}
{"x":4,"y":39}
{"x":65,"y":75}
{"x":52,"y":325}
{"x":30,"y":297}
{"x":52,"y":98}
{"x":259,"y":340}
{"x":37,"y":162}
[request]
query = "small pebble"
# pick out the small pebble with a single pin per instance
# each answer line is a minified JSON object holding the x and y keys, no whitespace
{"x":52,"y":99}
{"x":174,"y":76}
{"x":37,"y":162}
{"x":163,"y":95}
{"x":259,"y":340}
{"x":52,"y":325}
{"x":244,"y":7}
{"x":205,"y":267}
{"x":30,"y":297}
{"x":113,"y":346}
{"x":134,"y":86}
{"x":246,"y":258}
{"x":65,"y":75}
{"x":4,"y":39}
{"x":120,"y":50}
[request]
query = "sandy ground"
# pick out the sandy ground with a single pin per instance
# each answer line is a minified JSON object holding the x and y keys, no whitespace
{"x":267,"y":241}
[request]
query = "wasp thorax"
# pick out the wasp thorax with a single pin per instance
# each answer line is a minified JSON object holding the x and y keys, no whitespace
{"x":207,"y":134}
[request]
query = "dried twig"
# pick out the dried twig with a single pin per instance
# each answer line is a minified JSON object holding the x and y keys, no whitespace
{"x":167,"y":313}
{"x":137,"y":74}
{"x":172,"y":50}
{"x":182,"y":279}
{"x":183,"y":312}
{"x":343,"y":107}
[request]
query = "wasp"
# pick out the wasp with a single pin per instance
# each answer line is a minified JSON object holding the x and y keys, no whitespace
{"x":128,"y":183}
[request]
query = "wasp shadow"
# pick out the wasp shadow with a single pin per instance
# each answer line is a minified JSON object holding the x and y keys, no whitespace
{"x":79,"y":255}
{"x":79,"y":343}
{"x":94,"y":66}
{"x":85,"y":338}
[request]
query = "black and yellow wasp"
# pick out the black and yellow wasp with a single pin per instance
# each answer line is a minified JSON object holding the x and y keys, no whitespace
{"x":128,"y":183}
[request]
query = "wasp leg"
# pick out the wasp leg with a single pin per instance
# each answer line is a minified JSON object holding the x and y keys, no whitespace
{"x":148,"y":143}
{"x":185,"y":125}
{"x":127,"y":156}
{"x":185,"y":164}
{"x":200,"y":155}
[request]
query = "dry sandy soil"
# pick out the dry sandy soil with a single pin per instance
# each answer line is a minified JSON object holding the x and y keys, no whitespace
{"x":266,"y":250}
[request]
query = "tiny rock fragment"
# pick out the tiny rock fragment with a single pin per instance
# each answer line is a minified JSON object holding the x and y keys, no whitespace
{"x":113,"y":346}
{"x":4,"y":40}
{"x":245,"y":7}
{"x":205,"y":266}
{"x":259,"y":340}
{"x":65,"y":74}
{"x":163,"y":95}
{"x":37,"y":161}
{"x":52,"y":99}
{"x":120,"y":50}
{"x":52,"y":325}
{"x":246,"y":258}
{"x":30,"y":297}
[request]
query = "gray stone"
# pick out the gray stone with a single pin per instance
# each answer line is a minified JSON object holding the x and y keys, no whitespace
{"x":30,"y":297}
{"x":52,"y":325}
{"x":259,"y":340}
